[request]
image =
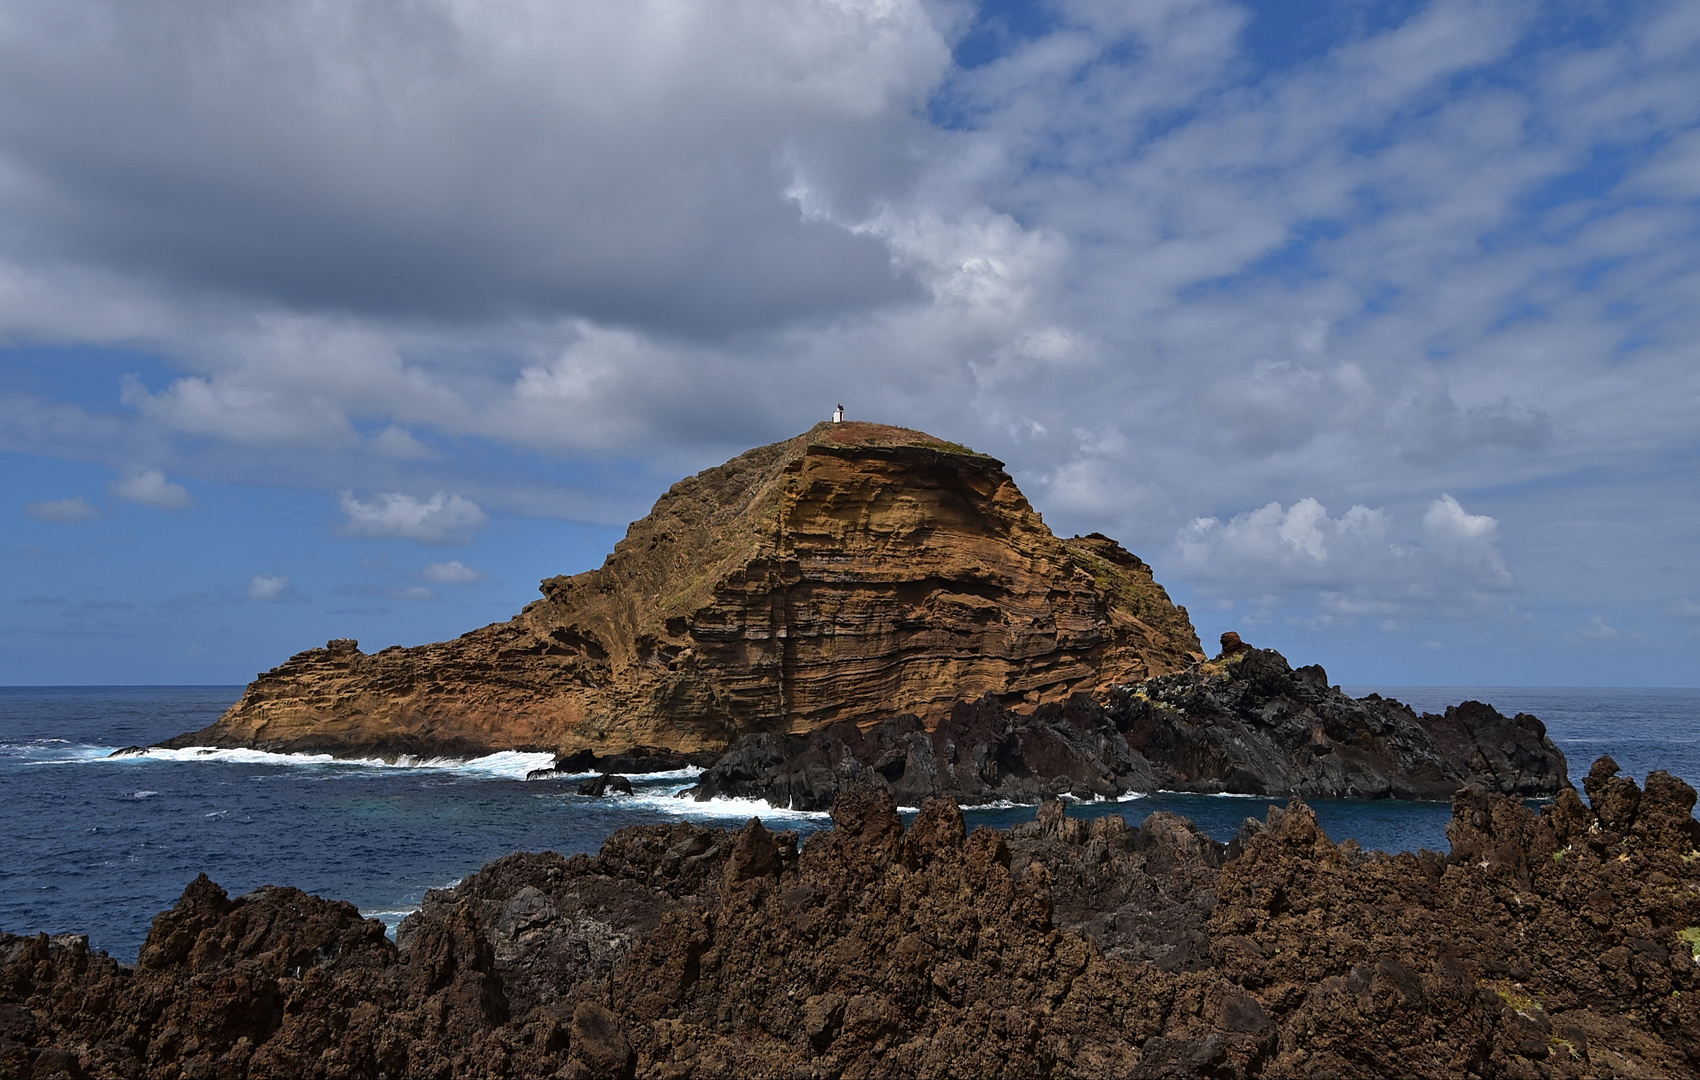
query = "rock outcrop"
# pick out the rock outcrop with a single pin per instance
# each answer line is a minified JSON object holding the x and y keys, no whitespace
{"x":1252,"y":723}
{"x":1560,"y":944}
{"x":1247,"y":723}
{"x":853,"y":572}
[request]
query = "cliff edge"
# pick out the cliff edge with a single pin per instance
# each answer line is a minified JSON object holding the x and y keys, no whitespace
{"x":854,"y":572}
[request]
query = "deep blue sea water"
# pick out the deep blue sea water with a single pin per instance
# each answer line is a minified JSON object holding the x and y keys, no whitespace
{"x":99,"y":845}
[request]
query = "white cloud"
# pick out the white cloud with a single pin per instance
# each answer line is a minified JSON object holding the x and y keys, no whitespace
{"x":1297,"y":545}
{"x":1597,"y":630}
{"x":618,"y":159}
{"x":1159,"y":273}
{"x":1353,"y":564}
{"x":398,"y":443}
{"x":441,"y":519}
{"x":1684,"y":607}
{"x":452,"y":572}
{"x":149,"y":487}
{"x":268,"y":587}
{"x":1468,"y":542}
{"x":412,"y":592}
{"x":62,"y":511}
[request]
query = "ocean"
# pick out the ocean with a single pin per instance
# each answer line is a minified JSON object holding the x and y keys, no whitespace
{"x":98,"y":845}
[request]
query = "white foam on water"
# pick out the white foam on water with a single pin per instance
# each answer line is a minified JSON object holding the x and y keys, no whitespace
{"x":505,"y":764}
{"x":689,"y":772}
{"x":718,"y":809}
{"x":1221,"y":794}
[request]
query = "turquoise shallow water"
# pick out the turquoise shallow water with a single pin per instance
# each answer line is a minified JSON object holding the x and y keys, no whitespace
{"x":99,"y":845}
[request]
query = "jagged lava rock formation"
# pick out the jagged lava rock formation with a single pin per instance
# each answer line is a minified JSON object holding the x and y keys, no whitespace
{"x":1246,"y":723}
{"x":853,"y":572}
{"x":1562,"y":944}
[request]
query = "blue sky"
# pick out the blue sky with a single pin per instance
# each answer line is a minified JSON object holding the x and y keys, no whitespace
{"x":1372,"y":326}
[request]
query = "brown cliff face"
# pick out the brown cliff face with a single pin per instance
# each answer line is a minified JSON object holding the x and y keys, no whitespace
{"x":851,"y":573}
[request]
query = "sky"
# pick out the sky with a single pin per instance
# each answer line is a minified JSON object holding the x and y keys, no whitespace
{"x":1373,"y":326}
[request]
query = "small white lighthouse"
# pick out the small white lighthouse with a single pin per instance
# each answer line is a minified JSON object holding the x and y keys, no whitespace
{"x":838,"y":415}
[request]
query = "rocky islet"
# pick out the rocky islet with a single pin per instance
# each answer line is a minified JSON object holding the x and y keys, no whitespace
{"x":853,"y":572}
{"x":869,"y":603}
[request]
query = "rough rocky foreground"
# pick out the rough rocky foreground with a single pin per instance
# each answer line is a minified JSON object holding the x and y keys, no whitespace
{"x":852,"y":572}
{"x":1247,"y":723}
{"x":1559,"y":944}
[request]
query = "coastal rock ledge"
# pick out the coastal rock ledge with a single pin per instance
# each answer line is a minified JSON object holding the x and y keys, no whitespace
{"x":1247,"y":723}
{"x":852,"y":573}
{"x":1558,"y":944}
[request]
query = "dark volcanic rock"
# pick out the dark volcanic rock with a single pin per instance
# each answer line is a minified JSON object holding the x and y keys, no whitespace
{"x":1248,"y":724}
{"x":1561,"y":944}
{"x":643,"y":759}
{"x":598,"y":786}
{"x":1142,"y":894}
{"x":981,"y":753}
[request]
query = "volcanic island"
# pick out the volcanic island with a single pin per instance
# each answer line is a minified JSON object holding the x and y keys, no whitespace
{"x":864,"y":619}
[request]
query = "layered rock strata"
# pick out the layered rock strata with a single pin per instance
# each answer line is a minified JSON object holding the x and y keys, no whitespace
{"x":852,"y":572}
{"x":1247,"y":723}
{"x":1562,"y":944}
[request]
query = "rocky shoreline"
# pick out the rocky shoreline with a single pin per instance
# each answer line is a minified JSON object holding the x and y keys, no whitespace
{"x":1564,"y":943}
{"x":1247,"y":723}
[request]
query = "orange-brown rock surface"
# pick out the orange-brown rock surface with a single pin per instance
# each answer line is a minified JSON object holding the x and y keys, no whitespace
{"x":854,"y":572}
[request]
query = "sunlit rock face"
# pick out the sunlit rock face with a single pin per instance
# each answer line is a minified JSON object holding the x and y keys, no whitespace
{"x":852,"y":573}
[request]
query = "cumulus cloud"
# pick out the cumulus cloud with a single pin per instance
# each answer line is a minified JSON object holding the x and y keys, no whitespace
{"x":1156,"y":267}
{"x":1298,"y":545}
{"x":268,"y":587}
{"x":1464,"y":541}
{"x":1354,"y":564}
{"x":62,"y":511}
{"x":453,"y":572}
{"x":149,"y":487}
{"x":441,"y":519}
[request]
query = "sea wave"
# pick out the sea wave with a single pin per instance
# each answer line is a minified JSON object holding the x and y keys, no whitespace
{"x":505,"y":764}
{"x":689,"y":772}
{"x":719,"y":808}
{"x":1223,"y":795}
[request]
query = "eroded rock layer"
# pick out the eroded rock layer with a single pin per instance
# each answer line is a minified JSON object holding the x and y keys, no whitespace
{"x":1562,"y":944}
{"x":854,"y":572}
